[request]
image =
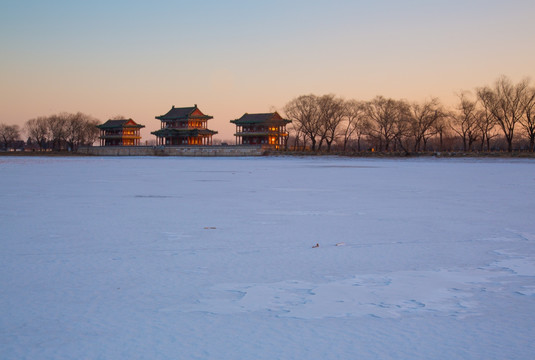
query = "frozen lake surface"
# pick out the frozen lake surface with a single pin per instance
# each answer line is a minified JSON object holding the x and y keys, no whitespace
{"x":213,"y":258}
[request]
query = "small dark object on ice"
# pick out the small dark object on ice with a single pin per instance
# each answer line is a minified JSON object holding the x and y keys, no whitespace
{"x":210,"y":227}
{"x":315,"y":246}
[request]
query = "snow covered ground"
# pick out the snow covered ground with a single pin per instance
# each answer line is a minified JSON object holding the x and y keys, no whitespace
{"x":213,"y":258}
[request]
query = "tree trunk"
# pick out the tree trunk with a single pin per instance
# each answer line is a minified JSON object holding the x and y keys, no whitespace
{"x":509,"y":144}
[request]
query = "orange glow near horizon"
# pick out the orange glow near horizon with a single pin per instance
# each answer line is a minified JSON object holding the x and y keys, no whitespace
{"x":249,"y":57}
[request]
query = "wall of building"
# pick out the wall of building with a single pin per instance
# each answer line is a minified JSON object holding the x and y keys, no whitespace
{"x":241,"y":150}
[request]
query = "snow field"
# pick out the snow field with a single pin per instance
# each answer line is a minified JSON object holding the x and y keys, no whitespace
{"x":213,"y":258}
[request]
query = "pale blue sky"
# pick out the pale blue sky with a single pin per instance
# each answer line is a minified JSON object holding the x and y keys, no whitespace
{"x":137,"y":58}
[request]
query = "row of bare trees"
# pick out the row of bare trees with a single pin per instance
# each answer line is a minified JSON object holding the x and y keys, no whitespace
{"x":64,"y":131}
{"x":387,"y":123}
{"x":494,"y":112}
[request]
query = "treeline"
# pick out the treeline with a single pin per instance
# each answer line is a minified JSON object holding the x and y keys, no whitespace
{"x":59,"y":132}
{"x":498,"y":117}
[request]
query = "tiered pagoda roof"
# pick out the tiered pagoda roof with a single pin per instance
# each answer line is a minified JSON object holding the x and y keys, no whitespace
{"x":264,"y":118}
{"x":184,"y":114}
{"x":116,"y":124}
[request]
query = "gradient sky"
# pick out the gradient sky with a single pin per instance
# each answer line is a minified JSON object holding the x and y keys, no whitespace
{"x":138,"y":58}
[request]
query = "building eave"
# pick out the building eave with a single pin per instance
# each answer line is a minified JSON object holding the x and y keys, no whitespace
{"x":183,"y":132}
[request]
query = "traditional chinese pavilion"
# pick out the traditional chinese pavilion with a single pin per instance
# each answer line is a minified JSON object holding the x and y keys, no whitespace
{"x":263,"y":129}
{"x":184,"y":126}
{"x":120,"y":133}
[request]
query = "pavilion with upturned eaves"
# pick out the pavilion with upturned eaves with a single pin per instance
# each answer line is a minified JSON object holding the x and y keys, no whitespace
{"x":184,"y":126}
{"x":124,"y":132}
{"x":262,"y":129}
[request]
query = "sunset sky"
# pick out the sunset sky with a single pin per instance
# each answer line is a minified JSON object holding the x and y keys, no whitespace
{"x":138,"y":58}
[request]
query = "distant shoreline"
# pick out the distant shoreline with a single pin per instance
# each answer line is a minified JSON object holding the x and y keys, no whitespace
{"x":398,"y":155}
{"x":367,"y":154}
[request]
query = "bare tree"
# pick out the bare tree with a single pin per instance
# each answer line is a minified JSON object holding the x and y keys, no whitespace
{"x":528,"y":120}
{"x":442,"y":128}
{"x":423,"y":119}
{"x":296,"y":137}
{"x":38,"y":131}
{"x":331,"y":114}
{"x":304,"y":113}
{"x":74,"y":130}
{"x":402,"y":126}
{"x":90,"y":131}
{"x":383,"y":114}
{"x":506,"y":105}
{"x":8,"y":135}
{"x":487,"y":122}
{"x":465,"y":121}
{"x":355,"y":122}
{"x":57,"y":125}
{"x":380,"y":112}
{"x":439,"y":128}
